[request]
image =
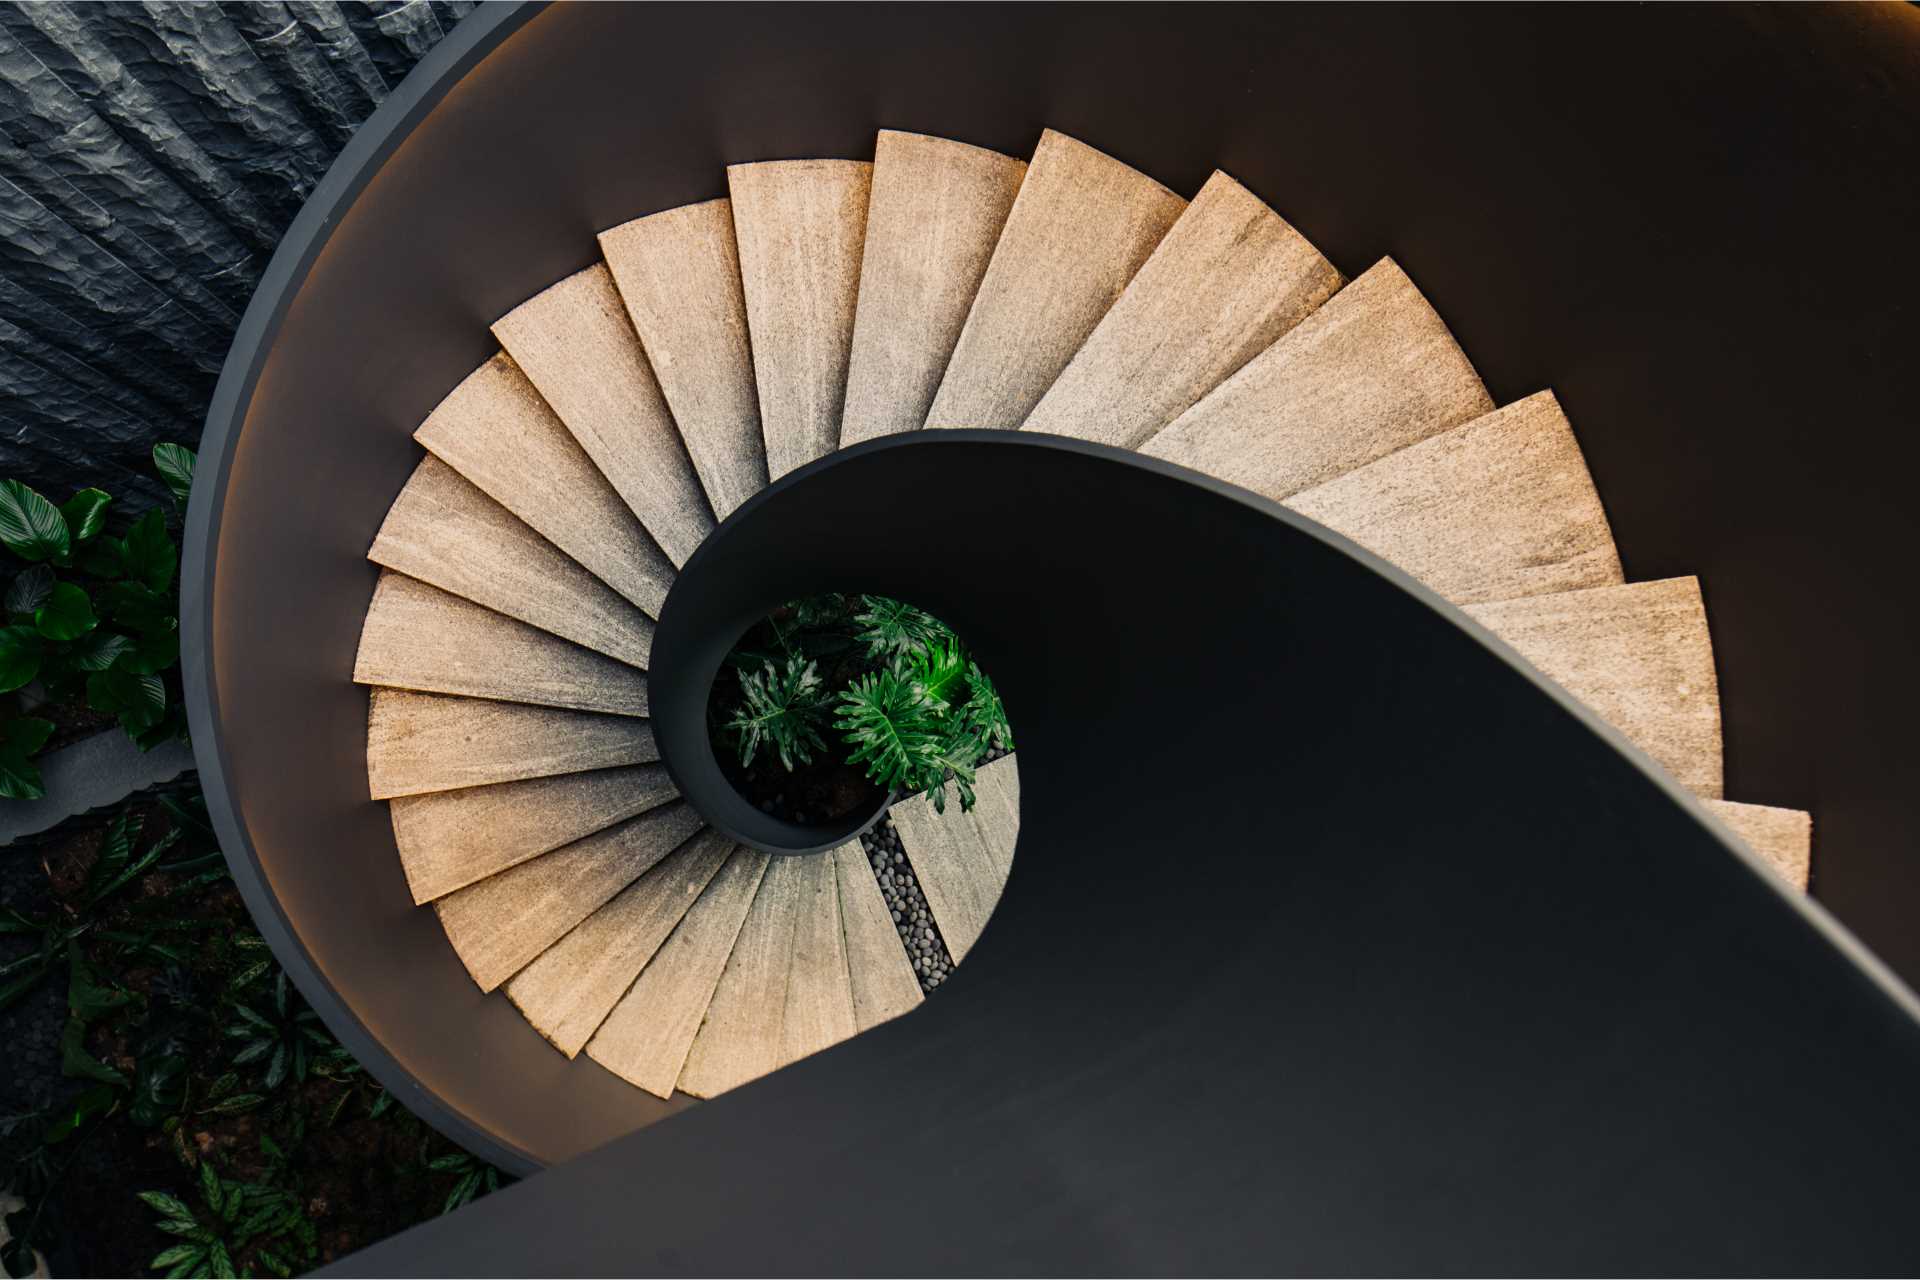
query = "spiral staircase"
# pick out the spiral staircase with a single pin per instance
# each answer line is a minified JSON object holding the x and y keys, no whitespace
{"x":1369,"y":666}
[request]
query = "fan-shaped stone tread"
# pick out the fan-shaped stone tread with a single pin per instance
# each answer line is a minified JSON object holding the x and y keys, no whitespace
{"x":1372,"y":371}
{"x":882,"y":978}
{"x":962,"y":860}
{"x":576,"y":345}
{"x":451,"y":839}
{"x":1499,"y":508}
{"x":422,"y":742}
{"x":1081,"y":226}
{"x":819,"y":1011}
{"x":1228,"y":280}
{"x":802,"y":226}
{"x":567,"y":993}
{"x":498,"y":432}
{"x":446,"y":533}
{"x":1639,"y":656}
{"x":742,"y":1035}
{"x":421,"y":638}
{"x":933,"y":218}
{"x":1782,"y":837}
{"x":679,"y":274}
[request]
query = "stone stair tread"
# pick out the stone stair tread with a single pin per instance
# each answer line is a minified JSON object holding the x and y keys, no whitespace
{"x":1080,"y":227}
{"x":451,"y":839}
{"x":576,"y":345}
{"x":741,"y":1037}
{"x":1782,"y":837}
{"x":1640,"y":656}
{"x":1499,"y":508}
{"x":678,"y":273}
{"x":881,"y":977}
{"x":802,"y":226}
{"x":1226,"y":282}
{"x":424,"y":742}
{"x":568,"y":991}
{"x":1372,"y":371}
{"x":443,"y":531}
{"x":934,"y":215}
{"x":498,"y":432}
{"x":646,"y":1038}
{"x":819,"y":1009}
{"x":501,"y":924}
{"x":962,"y":860}
{"x":421,"y":638}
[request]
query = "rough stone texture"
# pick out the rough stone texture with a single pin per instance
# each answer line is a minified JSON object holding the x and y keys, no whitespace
{"x":741,"y":1037}
{"x":500,"y":924}
{"x":1082,"y":224}
{"x":451,"y":839}
{"x":679,"y":274}
{"x":99,"y":770}
{"x":498,"y":432}
{"x":420,"y":742}
{"x":646,"y":1038}
{"x":1499,"y":508}
{"x":883,"y":983}
{"x":1372,"y":371}
{"x":963,"y":860}
{"x":567,"y":993}
{"x":932,"y":220}
{"x":419,"y":637}
{"x":1782,"y":837}
{"x":801,"y":225}
{"x":574,"y":342}
{"x":819,"y":1011}
{"x":1225,"y":283}
{"x":446,"y":533}
{"x":1639,"y":656}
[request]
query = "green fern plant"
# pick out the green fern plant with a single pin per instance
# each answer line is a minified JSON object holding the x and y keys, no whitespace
{"x":782,"y":706}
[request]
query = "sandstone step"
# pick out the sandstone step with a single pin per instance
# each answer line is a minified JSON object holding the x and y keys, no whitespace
{"x":1081,"y":226}
{"x":679,"y":275}
{"x":934,"y":216}
{"x":1782,"y":837}
{"x":645,"y":1039}
{"x":819,"y":1010}
{"x":1499,"y":508}
{"x":419,"y":637}
{"x":451,"y":839}
{"x":567,"y":993}
{"x":882,"y":978}
{"x":576,"y":345}
{"x":1227,"y":281}
{"x":500,"y":924}
{"x":962,"y":859}
{"x":498,"y":432}
{"x":741,"y":1037}
{"x":422,"y":742}
{"x":1640,"y":656}
{"x":1372,"y":371}
{"x":801,"y":226}
{"x":446,"y":533}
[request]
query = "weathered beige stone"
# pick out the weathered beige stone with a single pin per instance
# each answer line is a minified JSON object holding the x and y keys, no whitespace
{"x":741,"y":1037}
{"x":819,"y":1010}
{"x":1782,"y":837}
{"x":962,"y":860}
{"x":679,"y":274}
{"x":1081,"y":226}
{"x":446,"y":533}
{"x":1640,"y":656}
{"x":500,"y":924}
{"x":1499,"y":508}
{"x":1372,"y":371}
{"x":1225,"y":283}
{"x":451,"y":839}
{"x":932,"y":221}
{"x":495,"y":430}
{"x":567,"y":993}
{"x":801,"y":226}
{"x":420,"y":742}
{"x":576,"y":345}
{"x":645,"y":1039}
{"x":882,"y":978}
{"x":419,"y":637}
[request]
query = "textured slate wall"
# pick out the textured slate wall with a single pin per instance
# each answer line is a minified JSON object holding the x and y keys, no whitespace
{"x":151,"y":155}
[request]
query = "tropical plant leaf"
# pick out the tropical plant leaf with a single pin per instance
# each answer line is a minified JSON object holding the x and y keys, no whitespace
{"x":84,"y":513}
{"x":30,"y":526}
{"x":149,"y":553}
{"x":782,"y":706}
{"x":139,"y":700}
{"x":22,"y":649}
{"x":175,"y":463}
{"x":892,"y":727}
{"x":20,"y":740}
{"x":30,"y":589}
{"x":893,"y":629}
{"x":98,"y":650}
{"x":166,"y":1206}
{"x":66,"y":615}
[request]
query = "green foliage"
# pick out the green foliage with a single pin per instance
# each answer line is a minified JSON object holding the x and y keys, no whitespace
{"x":474,"y":1178}
{"x":781,"y":706}
{"x":284,"y":1037}
{"x":232,"y":1216}
{"x":893,"y":630}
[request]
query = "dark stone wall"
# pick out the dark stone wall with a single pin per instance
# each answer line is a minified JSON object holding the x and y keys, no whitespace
{"x":151,"y":155}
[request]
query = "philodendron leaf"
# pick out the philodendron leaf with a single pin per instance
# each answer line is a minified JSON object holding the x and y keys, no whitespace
{"x":30,"y":526}
{"x":175,"y":464}
{"x":85,"y":512}
{"x":19,"y":740}
{"x":67,"y":614}
{"x":149,"y":553}
{"x":21,"y":649}
{"x":99,"y":650}
{"x":30,"y":590}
